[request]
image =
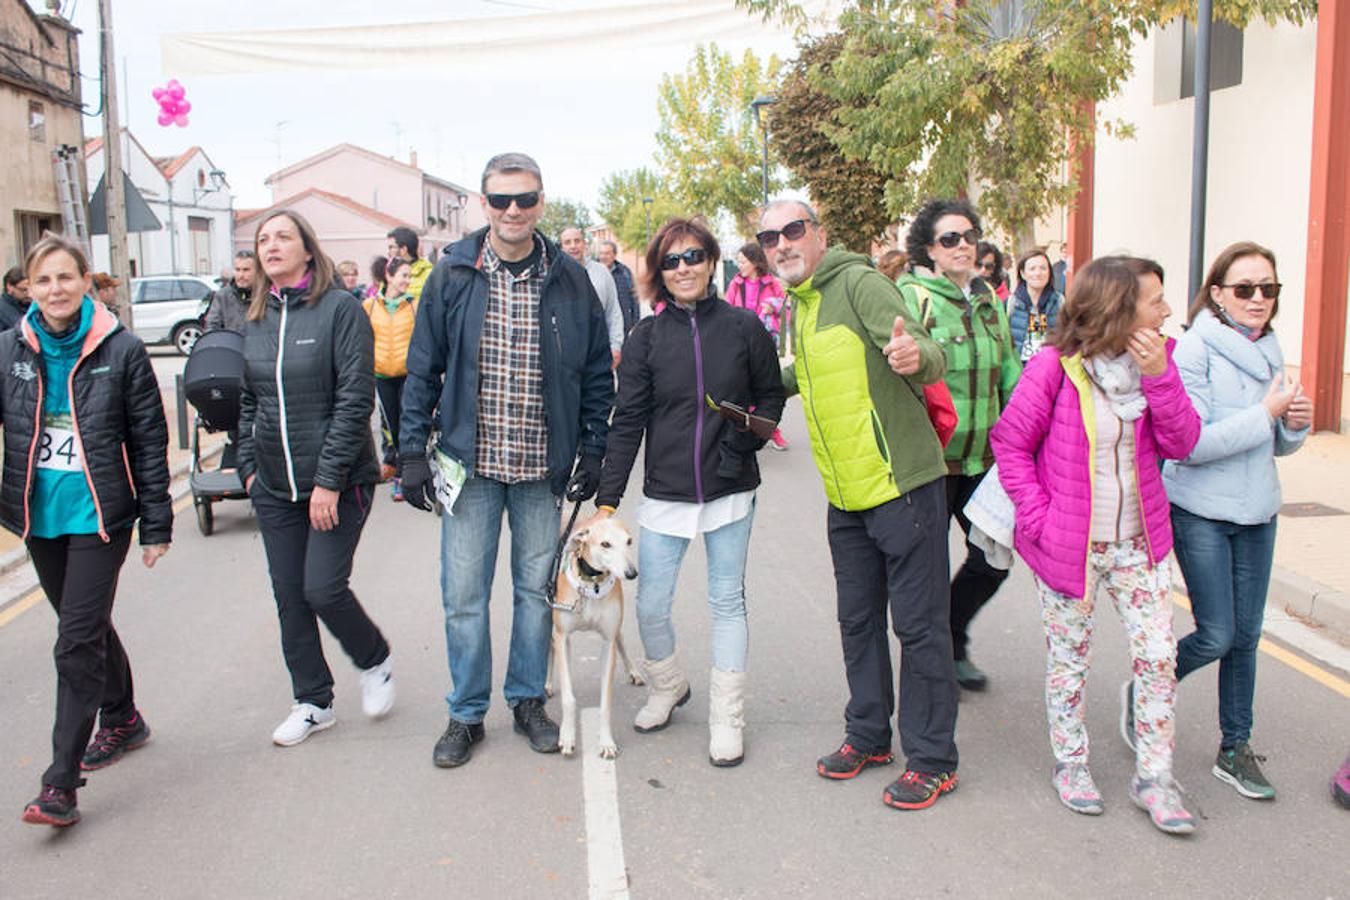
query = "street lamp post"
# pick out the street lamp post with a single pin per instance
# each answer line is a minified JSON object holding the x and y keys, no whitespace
{"x":757,"y":105}
{"x":647,"y":211}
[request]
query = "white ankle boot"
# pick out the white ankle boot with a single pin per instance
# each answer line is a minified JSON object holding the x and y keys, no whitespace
{"x":726,"y":718}
{"x":667,"y":688}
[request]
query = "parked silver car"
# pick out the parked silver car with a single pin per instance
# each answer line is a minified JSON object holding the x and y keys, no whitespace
{"x":168,"y":309}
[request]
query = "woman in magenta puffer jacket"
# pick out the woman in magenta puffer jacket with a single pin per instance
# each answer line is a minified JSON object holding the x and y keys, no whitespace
{"x":1078,"y":450}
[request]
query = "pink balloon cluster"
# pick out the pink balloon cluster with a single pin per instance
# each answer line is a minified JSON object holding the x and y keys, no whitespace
{"x":173,"y":104}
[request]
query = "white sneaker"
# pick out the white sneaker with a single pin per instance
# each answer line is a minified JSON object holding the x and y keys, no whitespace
{"x":304,"y":720}
{"x":377,"y":689}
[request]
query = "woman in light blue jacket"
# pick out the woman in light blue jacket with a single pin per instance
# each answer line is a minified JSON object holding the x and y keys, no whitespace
{"x":1226,"y":494}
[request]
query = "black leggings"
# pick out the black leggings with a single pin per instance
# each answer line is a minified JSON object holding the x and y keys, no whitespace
{"x":78,"y":573}
{"x":310,"y":570}
{"x":389,"y":393}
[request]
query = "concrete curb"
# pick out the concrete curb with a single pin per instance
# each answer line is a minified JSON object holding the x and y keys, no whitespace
{"x":179,"y":487}
{"x":1299,"y":596}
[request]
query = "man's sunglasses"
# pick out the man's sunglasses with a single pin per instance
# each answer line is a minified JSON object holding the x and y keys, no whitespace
{"x":1246,"y":291}
{"x":950,"y":239}
{"x":693,"y":256}
{"x":792,"y":231}
{"x":527,"y":200}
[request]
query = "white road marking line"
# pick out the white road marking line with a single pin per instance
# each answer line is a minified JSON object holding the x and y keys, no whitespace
{"x":604,"y":839}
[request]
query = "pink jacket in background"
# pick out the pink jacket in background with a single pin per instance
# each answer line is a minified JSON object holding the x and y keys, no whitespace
{"x":1044,"y":454}
{"x":762,"y":296}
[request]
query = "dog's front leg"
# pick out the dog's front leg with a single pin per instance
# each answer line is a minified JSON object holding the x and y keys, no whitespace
{"x":634,"y":675}
{"x":608,"y":749}
{"x":548,"y":679}
{"x":567,"y":732}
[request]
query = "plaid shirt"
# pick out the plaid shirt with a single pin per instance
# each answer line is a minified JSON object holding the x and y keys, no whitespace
{"x":512,"y":426}
{"x":982,"y":366}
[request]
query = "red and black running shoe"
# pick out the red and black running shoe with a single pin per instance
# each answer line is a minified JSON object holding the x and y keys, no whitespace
{"x":54,"y":806}
{"x":848,"y":761}
{"x":918,"y":790}
{"x":109,"y":744}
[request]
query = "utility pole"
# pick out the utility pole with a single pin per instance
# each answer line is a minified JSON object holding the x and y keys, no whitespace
{"x":112,"y":170}
{"x":1204,"y":26}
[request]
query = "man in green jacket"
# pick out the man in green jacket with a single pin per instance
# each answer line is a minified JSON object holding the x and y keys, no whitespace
{"x":861,"y":361}
{"x":960,"y":311}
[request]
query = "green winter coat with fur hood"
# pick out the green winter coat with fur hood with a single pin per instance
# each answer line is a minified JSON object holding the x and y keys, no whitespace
{"x":869,"y":427}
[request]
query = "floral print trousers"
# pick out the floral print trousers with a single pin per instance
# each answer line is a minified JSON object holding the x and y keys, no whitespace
{"x":1141,"y":593}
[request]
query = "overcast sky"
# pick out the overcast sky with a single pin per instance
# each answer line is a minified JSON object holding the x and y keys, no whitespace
{"x":583,"y":118}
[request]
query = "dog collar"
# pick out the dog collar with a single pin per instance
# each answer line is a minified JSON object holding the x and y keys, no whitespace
{"x":586,"y":589}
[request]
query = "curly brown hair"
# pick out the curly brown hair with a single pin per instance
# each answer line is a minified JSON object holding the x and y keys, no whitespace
{"x":1099,"y":313}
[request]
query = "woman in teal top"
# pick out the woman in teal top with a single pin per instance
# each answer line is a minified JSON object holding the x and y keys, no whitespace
{"x":85,"y":459}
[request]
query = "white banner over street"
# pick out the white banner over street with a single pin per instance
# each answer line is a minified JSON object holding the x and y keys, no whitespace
{"x":580,"y":36}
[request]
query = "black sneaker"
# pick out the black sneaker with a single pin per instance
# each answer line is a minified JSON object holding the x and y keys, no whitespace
{"x":534,"y":723}
{"x":54,"y":806}
{"x":969,"y":676}
{"x":848,"y":761}
{"x":918,"y":790}
{"x":109,"y":744}
{"x":455,"y":746}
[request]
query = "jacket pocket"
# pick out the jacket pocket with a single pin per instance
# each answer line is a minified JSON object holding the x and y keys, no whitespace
{"x":879,"y":435}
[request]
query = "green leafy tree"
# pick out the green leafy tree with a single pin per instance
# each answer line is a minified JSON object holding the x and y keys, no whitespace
{"x":622,"y":209}
{"x":943,"y":97}
{"x":849,"y":193}
{"x":708,"y":142}
{"x":560,"y":213}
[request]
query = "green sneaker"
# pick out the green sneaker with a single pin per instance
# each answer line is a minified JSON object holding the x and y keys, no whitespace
{"x":1238,"y":766}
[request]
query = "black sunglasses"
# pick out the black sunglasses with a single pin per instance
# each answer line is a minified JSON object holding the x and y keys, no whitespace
{"x":792,"y":231}
{"x":950,"y":239}
{"x":527,"y":200}
{"x":1246,"y":291}
{"x":693,"y":256}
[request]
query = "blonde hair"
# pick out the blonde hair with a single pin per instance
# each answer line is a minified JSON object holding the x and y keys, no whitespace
{"x":54,"y":243}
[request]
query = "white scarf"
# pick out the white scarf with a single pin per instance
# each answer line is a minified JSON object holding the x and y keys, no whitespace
{"x":1118,"y":379}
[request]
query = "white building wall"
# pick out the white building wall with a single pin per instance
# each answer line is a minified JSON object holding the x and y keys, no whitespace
{"x":151,"y":251}
{"x":1259,"y":164}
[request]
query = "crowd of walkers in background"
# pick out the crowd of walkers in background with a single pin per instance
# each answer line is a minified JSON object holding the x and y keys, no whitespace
{"x":1101,"y":444}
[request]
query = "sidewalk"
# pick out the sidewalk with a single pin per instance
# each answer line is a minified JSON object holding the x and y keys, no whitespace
{"x":1312,"y":548}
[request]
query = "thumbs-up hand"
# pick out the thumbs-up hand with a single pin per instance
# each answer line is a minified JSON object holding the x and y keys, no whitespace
{"x":902,"y":351}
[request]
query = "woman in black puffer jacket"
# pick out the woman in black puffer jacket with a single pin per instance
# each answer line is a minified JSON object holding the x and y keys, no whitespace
{"x":85,"y":457}
{"x":307,"y":457}
{"x":701,"y":471}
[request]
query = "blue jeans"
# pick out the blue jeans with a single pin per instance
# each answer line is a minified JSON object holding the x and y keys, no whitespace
{"x":1227,"y":572}
{"x":469,"y":541}
{"x":659,"y":557}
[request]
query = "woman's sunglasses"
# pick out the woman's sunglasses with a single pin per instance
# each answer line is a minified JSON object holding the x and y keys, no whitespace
{"x":527,"y":200}
{"x":693,"y":256}
{"x":950,"y":239}
{"x":792,"y":231}
{"x":1246,"y":291}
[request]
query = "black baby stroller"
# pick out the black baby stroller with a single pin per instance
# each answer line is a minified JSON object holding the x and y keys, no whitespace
{"x":212,"y":380}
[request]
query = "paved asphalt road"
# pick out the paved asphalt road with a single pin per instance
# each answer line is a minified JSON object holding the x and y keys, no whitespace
{"x":211,"y":809}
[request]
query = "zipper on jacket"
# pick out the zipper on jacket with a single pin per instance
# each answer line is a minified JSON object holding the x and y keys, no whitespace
{"x":698,"y":407}
{"x":281,"y":402}
{"x":84,"y":458}
{"x":1120,"y":485}
{"x":557,"y":335}
{"x":32,"y":448}
{"x":800,"y":340}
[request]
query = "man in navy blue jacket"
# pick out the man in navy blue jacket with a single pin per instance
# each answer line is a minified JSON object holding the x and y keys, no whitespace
{"x":511,"y":342}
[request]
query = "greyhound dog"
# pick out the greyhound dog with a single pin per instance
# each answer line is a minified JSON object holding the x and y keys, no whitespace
{"x":590,"y":598}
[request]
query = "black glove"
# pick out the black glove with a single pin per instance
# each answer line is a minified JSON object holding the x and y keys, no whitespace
{"x":419,"y":489}
{"x":585,"y":480}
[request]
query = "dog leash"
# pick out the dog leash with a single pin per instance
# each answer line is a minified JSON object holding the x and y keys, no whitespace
{"x":551,"y":583}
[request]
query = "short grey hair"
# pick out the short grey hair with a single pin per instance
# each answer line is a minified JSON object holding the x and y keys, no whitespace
{"x":611,"y":245}
{"x":511,"y":162}
{"x":806,"y":207}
